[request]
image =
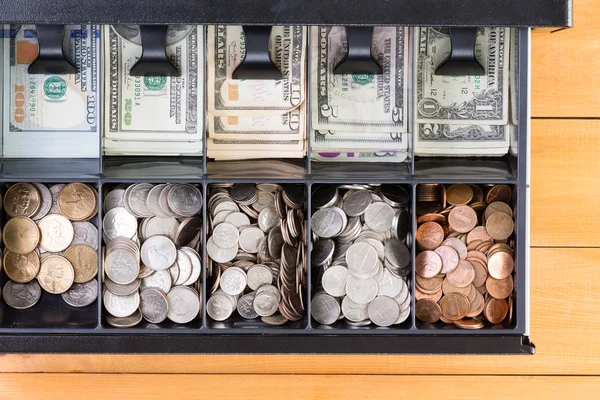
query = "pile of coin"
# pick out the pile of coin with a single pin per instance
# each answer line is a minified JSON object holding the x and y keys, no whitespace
{"x":359,"y":235}
{"x":465,"y":262}
{"x":256,"y":252}
{"x":49,"y":238}
{"x":152,"y":264}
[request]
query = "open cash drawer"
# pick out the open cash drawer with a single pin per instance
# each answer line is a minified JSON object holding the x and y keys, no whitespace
{"x":53,"y":327}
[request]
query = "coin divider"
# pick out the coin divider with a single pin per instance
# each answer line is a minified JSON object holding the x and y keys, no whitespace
{"x":74,"y":319}
{"x":256,"y":325}
{"x":514,"y":171}
{"x":145,"y":327}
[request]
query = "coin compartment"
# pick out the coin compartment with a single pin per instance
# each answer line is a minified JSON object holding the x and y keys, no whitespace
{"x":236,"y":323}
{"x":51,"y":312}
{"x":145,"y":326}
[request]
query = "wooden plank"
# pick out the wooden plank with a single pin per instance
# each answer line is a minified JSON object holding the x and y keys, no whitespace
{"x":565,"y":72}
{"x":565,"y":189}
{"x":260,"y":387}
{"x":565,"y":299}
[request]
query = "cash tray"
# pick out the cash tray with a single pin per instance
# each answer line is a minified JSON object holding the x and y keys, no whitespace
{"x":50,"y":327}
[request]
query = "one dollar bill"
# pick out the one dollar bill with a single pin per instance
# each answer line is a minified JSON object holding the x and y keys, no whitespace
{"x":462,"y":99}
{"x":52,"y":115}
{"x":361,"y":102}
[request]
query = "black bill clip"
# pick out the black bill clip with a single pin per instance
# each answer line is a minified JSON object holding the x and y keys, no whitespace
{"x":51,"y":57}
{"x":359,"y":59}
{"x":154,"y":60}
{"x":461,"y":61}
{"x":256,"y":64}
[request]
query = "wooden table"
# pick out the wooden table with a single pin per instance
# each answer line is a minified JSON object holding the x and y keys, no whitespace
{"x":565,"y":287}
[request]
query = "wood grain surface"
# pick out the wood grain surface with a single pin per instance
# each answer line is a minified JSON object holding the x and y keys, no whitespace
{"x":565,"y":287}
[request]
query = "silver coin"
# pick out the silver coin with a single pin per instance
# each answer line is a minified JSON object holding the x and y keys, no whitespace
{"x":221,"y":217}
{"x":268,"y":218}
{"x":356,"y":203}
{"x":55,"y":190}
{"x":184,"y":264}
{"x":81,"y":294}
{"x":238,"y":219}
{"x":219,"y":307}
{"x":163,"y":201}
{"x":266,"y":303}
{"x":122,"y":290}
{"x":361,"y":258}
{"x":249,"y":239}
{"x":361,"y":291}
{"x":275,"y":319}
{"x":233,"y":281}
{"x":379,"y":217}
{"x":21,"y":295}
{"x":327,"y":223}
{"x":245,"y":306}
{"x":131,"y":33}
{"x":334,"y":280}
{"x":226,"y":235}
{"x":118,"y":222}
{"x":225,"y":205}
{"x":158,"y":253}
{"x":121,"y":266}
{"x":218,"y":254}
{"x":259,"y":275}
{"x":353,"y":311}
{"x":138,"y":199}
{"x":196,"y":265}
{"x":397,"y":253}
{"x":125,"y":322}
{"x":184,"y":304}
{"x":114,"y":199}
{"x":154,"y":305}
{"x":265,"y":199}
{"x":163,"y":226}
{"x":325,"y":309}
{"x":158,"y":280}
{"x":153,"y":202}
{"x":403,"y":298}
{"x":389,"y":284}
{"x":144,"y":272}
{"x":85,"y":233}
{"x":121,"y":306}
{"x":45,"y":201}
{"x":174,"y":271}
{"x":404,"y":313}
{"x":244,"y":193}
{"x":185,"y":199}
{"x":383,"y":311}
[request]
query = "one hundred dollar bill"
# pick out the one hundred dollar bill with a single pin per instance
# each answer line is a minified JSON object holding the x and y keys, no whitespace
{"x":227,"y":96}
{"x":365,"y":102}
{"x":258,"y":127}
{"x":51,"y":115}
{"x":462,"y":99}
{"x":154,"y":108}
{"x":461,"y":140}
{"x":325,"y":140}
{"x":359,"y":156}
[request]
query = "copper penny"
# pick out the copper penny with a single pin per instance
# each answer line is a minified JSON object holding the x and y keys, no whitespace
{"x":498,"y":206}
{"x":22,"y":268}
{"x":500,"y":246}
{"x":500,"y":265}
{"x":510,"y":309}
{"x":454,"y":306}
{"x":482,"y":289}
{"x":439,"y":218}
{"x":484,"y":247}
{"x":477,"y":254}
{"x":472,"y":293}
{"x":427,"y":311}
{"x":499,"y":193}
{"x":500,"y":225}
{"x":469,"y":323}
{"x":476,"y":306}
{"x":449,"y":258}
{"x":499,"y":288}
{"x":84,"y":260}
{"x":474,"y":244}
{"x":477,"y":193}
{"x":495,"y":310}
{"x":22,"y":200}
{"x":428,"y":192}
{"x":429,"y":285}
{"x":478,"y":207}
{"x":463,"y":275}
{"x":479,"y":233}
{"x":428,"y":208}
{"x":480,"y":273}
{"x":428,"y":264}
{"x":448,"y":288}
{"x":459,"y":194}
{"x":434,"y":297}
{"x":457,"y":245}
{"x":446,"y":320}
{"x":430,"y":235}
{"x":462,"y":219}
{"x":21,"y":235}
{"x":77,"y":201}
{"x":443,"y":197}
